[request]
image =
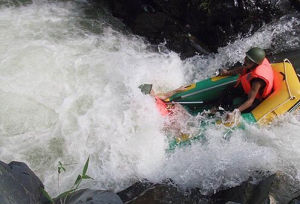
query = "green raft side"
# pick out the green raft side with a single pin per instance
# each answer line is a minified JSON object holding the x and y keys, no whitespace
{"x":249,"y":118}
{"x":205,"y":90}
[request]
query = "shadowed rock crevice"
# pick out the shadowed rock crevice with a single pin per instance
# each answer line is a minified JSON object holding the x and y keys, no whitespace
{"x":196,"y":26}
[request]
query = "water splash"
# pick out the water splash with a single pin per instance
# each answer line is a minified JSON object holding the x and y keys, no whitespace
{"x":68,"y":92}
{"x":276,"y":37}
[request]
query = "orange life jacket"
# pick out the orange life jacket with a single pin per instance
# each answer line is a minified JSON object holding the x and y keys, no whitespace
{"x":162,"y":107}
{"x":263,"y":71}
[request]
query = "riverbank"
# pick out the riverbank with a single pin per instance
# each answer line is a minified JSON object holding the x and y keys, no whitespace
{"x":18,"y":184}
{"x":197,"y":27}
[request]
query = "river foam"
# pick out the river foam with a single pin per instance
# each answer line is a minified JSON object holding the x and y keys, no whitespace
{"x":68,"y":91}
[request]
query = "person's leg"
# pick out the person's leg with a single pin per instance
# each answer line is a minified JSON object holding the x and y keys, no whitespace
{"x":233,"y":97}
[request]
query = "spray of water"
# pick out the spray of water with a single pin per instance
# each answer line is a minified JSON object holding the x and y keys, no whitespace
{"x":68,"y":93}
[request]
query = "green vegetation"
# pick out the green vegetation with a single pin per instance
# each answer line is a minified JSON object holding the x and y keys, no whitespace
{"x":204,"y":5}
{"x":63,"y":196}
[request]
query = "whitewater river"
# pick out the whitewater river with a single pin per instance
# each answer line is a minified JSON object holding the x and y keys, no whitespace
{"x":68,"y":90}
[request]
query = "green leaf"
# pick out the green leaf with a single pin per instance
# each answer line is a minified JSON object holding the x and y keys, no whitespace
{"x":66,"y":193}
{"x":86,"y":177}
{"x":78,"y":180}
{"x":60,"y":167}
{"x":86,"y":165}
{"x":45,"y":193}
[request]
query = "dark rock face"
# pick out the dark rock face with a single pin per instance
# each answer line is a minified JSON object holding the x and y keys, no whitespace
{"x":275,"y":188}
{"x":88,"y":196}
{"x":219,"y":21}
{"x":148,"y":193}
{"x":187,"y":25}
{"x":247,"y":192}
{"x":295,"y":201}
{"x":292,"y":55}
{"x":296,"y":4}
{"x":285,"y":188}
{"x":135,"y":190}
{"x":18,"y":184}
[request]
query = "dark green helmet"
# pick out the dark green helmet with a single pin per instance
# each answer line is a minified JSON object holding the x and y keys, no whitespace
{"x":256,"y":55}
{"x":145,"y":88}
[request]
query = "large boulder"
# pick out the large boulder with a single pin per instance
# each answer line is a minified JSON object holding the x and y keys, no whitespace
{"x":295,"y":201}
{"x":159,"y":22}
{"x":292,"y":55}
{"x":274,"y":188}
{"x":135,"y":190}
{"x":248,"y":192}
{"x":190,"y":26}
{"x":285,"y":187}
{"x":148,"y":193}
{"x":18,"y":184}
{"x":296,"y":4}
{"x":88,"y":196}
{"x":217,"y":22}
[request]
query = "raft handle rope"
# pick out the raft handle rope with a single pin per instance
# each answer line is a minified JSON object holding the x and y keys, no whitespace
{"x":287,"y":85}
{"x":289,"y":91}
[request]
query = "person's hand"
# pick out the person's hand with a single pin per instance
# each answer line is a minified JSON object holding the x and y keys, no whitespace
{"x":182,"y":88}
{"x":230,"y":117}
{"x":223,"y":72}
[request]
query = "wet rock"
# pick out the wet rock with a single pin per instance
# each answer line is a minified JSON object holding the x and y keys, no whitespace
{"x":295,"y":201}
{"x":135,"y":190}
{"x":284,"y":187}
{"x":178,"y":23}
{"x":18,"y":184}
{"x":88,"y":196}
{"x":160,"y":22}
{"x":292,"y":55}
{"x":273,"y":189}
{"x":217,"y":22}
{"x":296,"y":4}
{"x":247,"y":193}
{"x":156,"y":22}
{"x":148,"y":193}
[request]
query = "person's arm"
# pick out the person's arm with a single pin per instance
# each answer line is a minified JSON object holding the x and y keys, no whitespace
{"x":164,"y":96}
{"x":238,"y":70}
{"x":235,"y":71}
{"x":255,"y":87}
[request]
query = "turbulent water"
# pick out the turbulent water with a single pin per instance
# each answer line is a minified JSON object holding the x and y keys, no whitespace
{"x":68,"y":91}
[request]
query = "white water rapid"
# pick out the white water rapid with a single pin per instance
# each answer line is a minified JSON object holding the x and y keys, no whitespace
{"x":68,"y":92}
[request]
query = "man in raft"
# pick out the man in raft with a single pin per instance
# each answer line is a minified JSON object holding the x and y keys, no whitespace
{"x":255,"y":80}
